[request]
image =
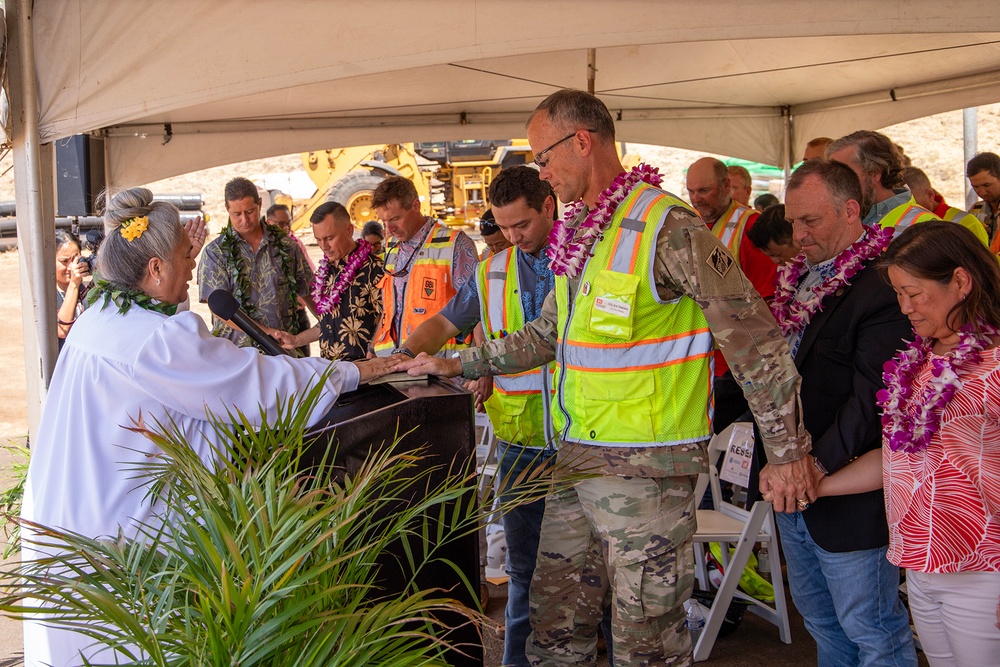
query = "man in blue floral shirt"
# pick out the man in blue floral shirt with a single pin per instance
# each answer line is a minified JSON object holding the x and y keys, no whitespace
{"x":260,"y":264}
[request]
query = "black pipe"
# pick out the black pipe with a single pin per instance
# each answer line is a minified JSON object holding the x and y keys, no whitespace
{"x":76,"y":224}
{"x":189,"y":201}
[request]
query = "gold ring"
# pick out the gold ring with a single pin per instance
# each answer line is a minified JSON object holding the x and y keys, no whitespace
{"x":802,"y":504}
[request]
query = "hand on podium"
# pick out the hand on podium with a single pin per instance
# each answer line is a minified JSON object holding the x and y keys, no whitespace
{"x":424,"y":364}
{"x":372,"y":369}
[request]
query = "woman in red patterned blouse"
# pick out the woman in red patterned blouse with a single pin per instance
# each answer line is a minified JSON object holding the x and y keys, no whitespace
{"x":940,"y":462}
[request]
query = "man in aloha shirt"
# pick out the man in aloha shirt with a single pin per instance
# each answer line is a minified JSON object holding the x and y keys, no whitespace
{"x":345,"y":329}
{"x":263,"y":268}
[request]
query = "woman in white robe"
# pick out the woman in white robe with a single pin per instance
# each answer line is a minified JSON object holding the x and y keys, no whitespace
{"x":151,"y":362}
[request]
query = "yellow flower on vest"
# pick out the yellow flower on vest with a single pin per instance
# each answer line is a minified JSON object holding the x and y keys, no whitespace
{"x":133,"y":228}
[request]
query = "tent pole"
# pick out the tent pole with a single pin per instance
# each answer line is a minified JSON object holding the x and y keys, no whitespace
{"x":33,"y":174}
{"x":786,"y":152}
{"x":970,"y":131}
{"x":591,"y":70}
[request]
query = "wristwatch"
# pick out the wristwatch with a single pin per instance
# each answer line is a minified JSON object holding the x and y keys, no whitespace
{"x":402,"y":350}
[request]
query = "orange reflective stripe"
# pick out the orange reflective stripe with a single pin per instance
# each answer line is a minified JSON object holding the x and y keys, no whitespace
{"x":650,"y":341}
{"x":611,"y":257}
{"x":656,"y":355}
{"x":635,"y":257}
{"x":647,"y":367}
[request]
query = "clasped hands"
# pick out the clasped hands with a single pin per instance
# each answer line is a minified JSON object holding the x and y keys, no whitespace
{"x":790,"y":487}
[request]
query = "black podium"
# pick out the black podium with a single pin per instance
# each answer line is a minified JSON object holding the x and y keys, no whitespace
{"x":437,"y":417}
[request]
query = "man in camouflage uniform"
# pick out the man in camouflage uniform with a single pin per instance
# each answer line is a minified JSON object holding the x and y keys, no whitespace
{"x":624,"y":537}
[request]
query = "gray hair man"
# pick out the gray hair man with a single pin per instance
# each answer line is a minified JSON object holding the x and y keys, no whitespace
{"x":879,"y":163}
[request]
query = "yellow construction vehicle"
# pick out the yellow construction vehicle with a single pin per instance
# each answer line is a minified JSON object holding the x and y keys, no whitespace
{"x":452,"y":178}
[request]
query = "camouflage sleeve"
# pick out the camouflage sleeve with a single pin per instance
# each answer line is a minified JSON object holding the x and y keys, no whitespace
{"x":691,"y":261}
{"x":522,"y":350}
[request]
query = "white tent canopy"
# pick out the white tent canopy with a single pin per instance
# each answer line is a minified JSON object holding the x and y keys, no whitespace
{"x":180,"y":85}
{"x":238,"y":79}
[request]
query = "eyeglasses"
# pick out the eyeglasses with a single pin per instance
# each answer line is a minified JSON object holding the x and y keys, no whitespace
{"x":538,"y":156}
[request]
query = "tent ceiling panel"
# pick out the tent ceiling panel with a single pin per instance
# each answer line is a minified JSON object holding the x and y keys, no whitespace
{"x":229,"y":74}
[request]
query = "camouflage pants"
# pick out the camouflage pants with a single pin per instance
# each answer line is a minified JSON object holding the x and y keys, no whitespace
{"x":619,"y":541}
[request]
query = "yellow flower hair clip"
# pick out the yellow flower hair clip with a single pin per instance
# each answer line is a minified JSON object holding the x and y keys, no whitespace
{"x":133,"y":228}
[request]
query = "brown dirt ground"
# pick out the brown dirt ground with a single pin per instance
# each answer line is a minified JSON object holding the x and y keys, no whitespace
{"x":933,"y":143}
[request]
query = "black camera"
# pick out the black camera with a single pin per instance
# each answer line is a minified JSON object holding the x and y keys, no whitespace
{"x":92,"y":242}
{"x":89,"y":262}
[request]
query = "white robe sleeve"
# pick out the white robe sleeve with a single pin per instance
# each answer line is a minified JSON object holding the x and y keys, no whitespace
{"x":190,"y":371}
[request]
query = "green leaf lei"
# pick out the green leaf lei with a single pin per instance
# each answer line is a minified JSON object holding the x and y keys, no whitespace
{"x":124,"y":297}
{"x":229,"y":244}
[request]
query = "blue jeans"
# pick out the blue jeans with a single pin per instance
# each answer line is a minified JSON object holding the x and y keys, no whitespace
{"x":522,"y":527}
{"x":849,"y":601}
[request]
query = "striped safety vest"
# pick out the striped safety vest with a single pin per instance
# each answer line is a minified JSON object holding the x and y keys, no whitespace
{"x":519,"y":406}
{"x":632,"y":370}
{"x":904,"y":215}
{"x":730,"y":226}
{"x":428,"y":288}
{"x":967,"y":220}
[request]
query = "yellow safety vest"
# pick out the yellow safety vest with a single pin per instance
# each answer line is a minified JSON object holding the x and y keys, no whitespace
{"x":428,"y":288}
{"x":633,"y":371}
{"x":906,"y":214}
{"x":969,"y":221}
{"x":730,"y":226}
{"x":519,"y":406}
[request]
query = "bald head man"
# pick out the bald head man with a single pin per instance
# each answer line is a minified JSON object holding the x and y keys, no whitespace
{"x":709,"y":188}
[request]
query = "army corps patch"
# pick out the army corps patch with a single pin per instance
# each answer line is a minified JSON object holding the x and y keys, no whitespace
{"x":429,"y":288}
{"x":720,"y":261}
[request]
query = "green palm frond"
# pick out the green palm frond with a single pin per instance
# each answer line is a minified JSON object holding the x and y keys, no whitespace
{"x":254,"y":561}
{"x":10,"y":497}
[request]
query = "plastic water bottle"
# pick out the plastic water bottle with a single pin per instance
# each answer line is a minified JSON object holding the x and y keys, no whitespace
{"x":695,"y":621}
{"x":764,"y":561}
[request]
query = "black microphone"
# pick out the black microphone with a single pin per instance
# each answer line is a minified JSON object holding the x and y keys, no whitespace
{"x":225,"y":306}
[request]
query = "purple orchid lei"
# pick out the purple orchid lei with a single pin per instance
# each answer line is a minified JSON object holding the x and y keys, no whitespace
{"x":793,"y":315}
{"x":327,"y":300}
{"x":569,"y":248}
{"x":909,"y":421}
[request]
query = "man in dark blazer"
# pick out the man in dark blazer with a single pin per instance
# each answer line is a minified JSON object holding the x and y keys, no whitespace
{"x":835,"y":548}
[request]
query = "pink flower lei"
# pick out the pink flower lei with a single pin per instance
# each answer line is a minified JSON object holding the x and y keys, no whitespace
{"x":909,"y":421}
{"x":569,"y":248}
{"x":793,"y":315}
{"x":327,"y":300}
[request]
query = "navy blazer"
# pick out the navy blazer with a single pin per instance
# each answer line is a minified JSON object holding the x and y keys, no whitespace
{"x":840,"y":359}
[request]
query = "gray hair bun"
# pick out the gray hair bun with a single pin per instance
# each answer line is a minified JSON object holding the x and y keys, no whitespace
{"x":125,"y":205}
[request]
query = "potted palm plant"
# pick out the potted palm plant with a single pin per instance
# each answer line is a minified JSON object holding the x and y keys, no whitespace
{"x":255,"y":561}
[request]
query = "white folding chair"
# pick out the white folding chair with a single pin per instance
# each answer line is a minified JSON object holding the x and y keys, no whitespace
{"x":742,"y":529}
{"x":486,"y":453}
